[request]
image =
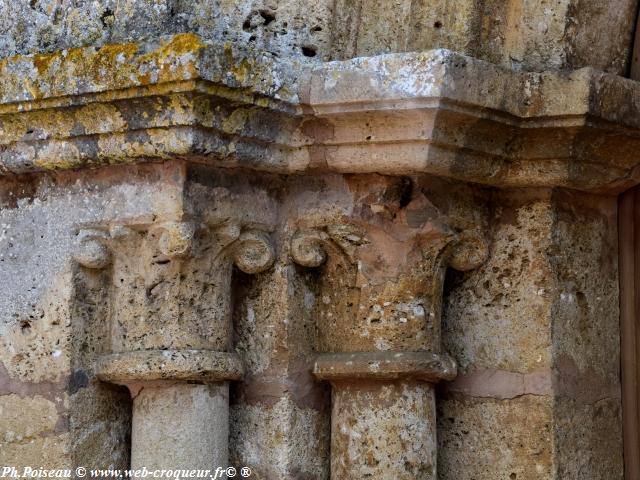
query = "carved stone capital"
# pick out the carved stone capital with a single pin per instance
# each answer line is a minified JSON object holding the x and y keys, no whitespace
{"x":170,"y":281}
{"x":382,"y":268}
{"x":171,"y":327}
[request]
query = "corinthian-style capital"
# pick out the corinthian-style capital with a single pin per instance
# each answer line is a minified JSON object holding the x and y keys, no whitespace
{"x":382,"y":273}
{"x":378,"y":307}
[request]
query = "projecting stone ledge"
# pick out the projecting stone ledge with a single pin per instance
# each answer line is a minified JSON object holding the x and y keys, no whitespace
{"x":435,"y":112}
{"x":426,"y":366}
{"x":176,"y":365}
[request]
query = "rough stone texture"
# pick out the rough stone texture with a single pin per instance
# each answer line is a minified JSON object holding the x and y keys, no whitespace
{"x":280,"y":415}
{"x":54,"y":328}
{"x":169,"y":290}
{"x":43,"y":414}
{"x":496,"y":439}
{"x":586,"y":337}
{"x":280,"y":439}
{"x":426,"y":366}
{"x":380,"y":430}
{"x":284,"y":27}
{"x":48,"y":451}
{"x":542,"y":358}
{"x":452,"y":115}
{"x":537,"y":325}
{"x":533,"y":35}
{"x":388,"y":250}
{"x":144,"y":277}
{"x":156,"y":365}
{"x":197,"y":177}
{"x":510,"y":292}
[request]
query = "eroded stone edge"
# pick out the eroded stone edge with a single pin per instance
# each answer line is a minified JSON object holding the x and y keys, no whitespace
{"x":427,"y":366}
{"x":182,"y":365}
{"x":435,"y":81}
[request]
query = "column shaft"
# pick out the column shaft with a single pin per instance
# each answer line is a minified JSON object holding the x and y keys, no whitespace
{"x":383,"y":430}
{"x":383,"y":412}
{"x":181,"y":426}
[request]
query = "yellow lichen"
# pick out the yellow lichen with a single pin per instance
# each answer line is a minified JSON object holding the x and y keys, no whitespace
{"x":42,"y":62}
{"x":176,"y":57}
{"x":239,"y":69}
{"x":180,"y":44}
{"x":42,"y":123}
{"x":100,"y":118}
{"x":112,"y":66}
{"x":235,"y":122}
{"x":180,"y":110}
{"x":57,"y":164}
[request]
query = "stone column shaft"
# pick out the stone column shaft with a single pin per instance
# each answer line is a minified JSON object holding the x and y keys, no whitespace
{"x":180,"y":405}
{"x":383,"y":430}
{"x":183,"y":426}
{"x":383,"y":412}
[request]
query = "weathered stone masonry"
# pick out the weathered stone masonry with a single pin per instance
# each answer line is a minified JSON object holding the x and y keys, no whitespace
{"x":225,"y":240}
{"x":165,"y":337}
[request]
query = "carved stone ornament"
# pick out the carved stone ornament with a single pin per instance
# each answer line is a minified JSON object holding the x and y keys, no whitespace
{"x":169,"y":340}
{"x":379,"y":335}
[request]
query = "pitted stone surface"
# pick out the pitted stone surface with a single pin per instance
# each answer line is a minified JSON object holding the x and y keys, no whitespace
{"x":525,"y":35}
{"x":53,"y":319}
{"x":228,"y":107}
{"x":179,"y":365}
{"x":385,"y":366}
{"x":193,"y":417}
{"x":310,"y":171}
{"x":535,"y":330}
{"x":381,"y":430}
{"x":511,"y":440}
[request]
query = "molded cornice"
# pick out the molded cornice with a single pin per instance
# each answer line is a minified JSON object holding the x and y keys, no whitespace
{"x":435,"y":112}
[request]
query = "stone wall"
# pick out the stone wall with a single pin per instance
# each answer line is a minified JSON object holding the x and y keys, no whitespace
{"x":521,"y":34}
{"x":534,"y":329}
{"x":74,"y":313}
{"x":498,"y":326}
{"x":54,"y":324}
{"x":586,"y":339}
